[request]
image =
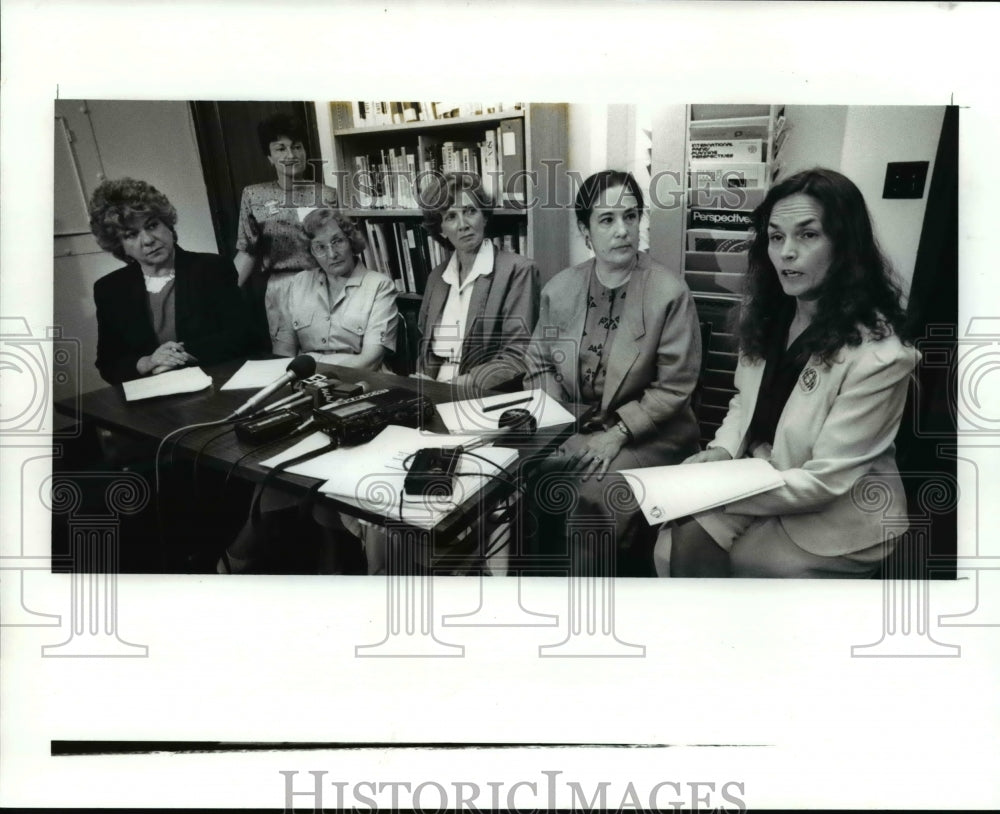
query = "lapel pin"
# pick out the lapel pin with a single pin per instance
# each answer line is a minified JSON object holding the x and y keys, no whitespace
{"x":808,"y":379}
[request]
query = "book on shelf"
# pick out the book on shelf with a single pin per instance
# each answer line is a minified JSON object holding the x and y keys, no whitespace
{"x":729,"y":150}
{"x":737,"y":198}
{"x":386,"y":180}
{"x":716,"y":262}
{"x":728,"y":176}
{"x":512,"y":162}
{"x":734,"y":220}
{"x":380,"y":114}
{"x":406,"y":252}
{"x":489,"y":165}
{"x":724,"y":131}
{"x":718,"y":240}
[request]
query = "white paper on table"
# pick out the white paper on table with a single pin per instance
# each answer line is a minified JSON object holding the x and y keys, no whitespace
{"x":668,"y":492}
{"x":185,"y":380}
{"x":468,"y":415}
{"x":371,"y":475}
{"x":256,"y":374}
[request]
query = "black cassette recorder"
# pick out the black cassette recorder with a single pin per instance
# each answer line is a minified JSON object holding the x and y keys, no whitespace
{"x":357,"y":420}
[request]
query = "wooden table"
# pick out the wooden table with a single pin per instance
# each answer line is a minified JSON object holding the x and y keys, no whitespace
{"x":154,"y":419}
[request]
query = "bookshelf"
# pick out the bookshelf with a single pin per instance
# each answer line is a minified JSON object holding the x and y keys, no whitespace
{"x":731,"y":157}
{"x":519,"y":150}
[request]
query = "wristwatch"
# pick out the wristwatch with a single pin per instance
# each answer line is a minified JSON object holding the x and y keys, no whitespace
{"x":620,"y":426}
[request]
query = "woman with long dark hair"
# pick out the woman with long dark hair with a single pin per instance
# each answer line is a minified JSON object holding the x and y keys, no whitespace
{"x":821,"y":384}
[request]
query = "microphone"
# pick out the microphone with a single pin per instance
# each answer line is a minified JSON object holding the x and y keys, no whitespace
{"x":512,"y":422}
{"x":300,"y":367}
{"x":433,"y":469}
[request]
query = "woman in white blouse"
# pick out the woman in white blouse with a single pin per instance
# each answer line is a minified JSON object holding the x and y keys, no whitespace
{"x":342,"y":313}
{"x":479,"y":307}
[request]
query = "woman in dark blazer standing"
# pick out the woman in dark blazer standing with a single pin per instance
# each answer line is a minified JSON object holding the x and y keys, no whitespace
{"x":166,"y":307}
{"x":480,"y":306}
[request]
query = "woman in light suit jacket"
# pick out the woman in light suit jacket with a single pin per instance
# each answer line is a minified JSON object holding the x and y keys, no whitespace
{"x":480,"y":306}
{"x":618,"y":332}
{"x":821,"y":384}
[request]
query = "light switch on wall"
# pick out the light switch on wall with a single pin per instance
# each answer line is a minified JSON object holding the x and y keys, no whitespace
{"x":905,"y":179}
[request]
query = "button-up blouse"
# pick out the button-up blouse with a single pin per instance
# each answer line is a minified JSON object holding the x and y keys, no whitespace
{"x":364,"y":313}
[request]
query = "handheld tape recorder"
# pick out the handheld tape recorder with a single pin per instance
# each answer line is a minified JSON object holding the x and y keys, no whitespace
{"x":357,"y":420}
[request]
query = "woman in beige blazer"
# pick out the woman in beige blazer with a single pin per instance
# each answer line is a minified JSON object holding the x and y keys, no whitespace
{"x":480,"y":306}
{"x":619,"y":333}
{"x":821,"y":384}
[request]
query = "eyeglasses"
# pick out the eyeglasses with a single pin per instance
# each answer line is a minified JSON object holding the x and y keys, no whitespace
{"x":336,"y":244}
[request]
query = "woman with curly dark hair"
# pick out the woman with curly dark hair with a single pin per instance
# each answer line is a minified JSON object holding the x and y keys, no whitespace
{"x":269,"y":246}
{"x":166,"y":307}
{"x":821,"y":384}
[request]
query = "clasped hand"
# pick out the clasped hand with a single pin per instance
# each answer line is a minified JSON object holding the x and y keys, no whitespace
{"x":592,"y":454}
{"x":168,"y":356}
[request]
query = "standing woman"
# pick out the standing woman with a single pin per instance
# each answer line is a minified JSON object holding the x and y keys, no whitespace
{"x":166,"y":307}
{"x":619,"y":333}
{"x":269,"y":245}
{"x":479,"y":307}
{"x":821,"y":384}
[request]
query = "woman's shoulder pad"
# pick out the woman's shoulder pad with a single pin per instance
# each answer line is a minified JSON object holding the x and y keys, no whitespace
{"x":514,"y":259}
{"x":567,"y":275}
{"x":885,"y":349}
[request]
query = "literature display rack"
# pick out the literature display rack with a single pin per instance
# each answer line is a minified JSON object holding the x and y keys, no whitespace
{"x":731,"y":158}
{"x":382,"y":150}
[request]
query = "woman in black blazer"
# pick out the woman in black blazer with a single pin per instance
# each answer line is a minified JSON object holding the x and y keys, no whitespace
{"x":167,"y":307}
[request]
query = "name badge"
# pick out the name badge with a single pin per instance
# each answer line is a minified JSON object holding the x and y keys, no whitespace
{"x":808,"y":380}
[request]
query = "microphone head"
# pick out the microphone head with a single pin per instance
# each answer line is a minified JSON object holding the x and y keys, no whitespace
{"x":302,"y":366}
{"x":518,"y":420}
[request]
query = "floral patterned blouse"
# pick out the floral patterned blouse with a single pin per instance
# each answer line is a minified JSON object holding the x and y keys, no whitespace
{"x":604,"y":313}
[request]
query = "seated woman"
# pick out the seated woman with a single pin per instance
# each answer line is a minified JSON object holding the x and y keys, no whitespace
{"x":479,"y":307}
{"x":821,"y":383}
{"x":346,"y":315}
{"x":269,"y":249}
{"x":341,"y":312}
{"x":618,"y":332}
{"x":166,"y":307}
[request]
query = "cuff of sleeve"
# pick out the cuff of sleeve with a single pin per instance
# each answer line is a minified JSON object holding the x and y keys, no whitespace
{"x":634,"y":417}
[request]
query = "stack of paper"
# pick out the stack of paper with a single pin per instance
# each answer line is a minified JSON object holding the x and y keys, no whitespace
{"x":257,"y":373}
{"x":668,"y":492}
{"x":185,"y":380}
{"x":471,"y":415}
{"x":370,"y":476}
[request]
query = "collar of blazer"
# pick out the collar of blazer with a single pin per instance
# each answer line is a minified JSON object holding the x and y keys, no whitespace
{"x":478,"y":298}
{"x":815,"y":376}
{"x":633,"y":328}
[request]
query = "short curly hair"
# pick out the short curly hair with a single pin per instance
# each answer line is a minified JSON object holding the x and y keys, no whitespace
{"x":277,"y":126}
{"x":115,"y":204}
{"x":314,"y":222}
{"x":438,"y":194}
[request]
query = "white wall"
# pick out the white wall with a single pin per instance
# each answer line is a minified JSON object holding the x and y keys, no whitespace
{"x":815,"y":137}
{"x":152,"y":141}
{"x":873,"y":137}
{"x":587,"y":153}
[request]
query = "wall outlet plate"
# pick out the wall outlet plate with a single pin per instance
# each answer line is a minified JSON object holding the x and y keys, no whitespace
{"x":905,"y":179}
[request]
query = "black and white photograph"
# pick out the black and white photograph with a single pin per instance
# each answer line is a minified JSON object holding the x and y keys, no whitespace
{"x":623,"y":446}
